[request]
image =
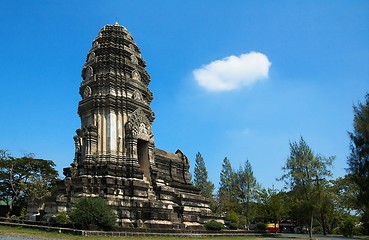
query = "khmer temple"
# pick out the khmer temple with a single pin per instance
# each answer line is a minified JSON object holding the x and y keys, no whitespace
{"x":115,"y":154}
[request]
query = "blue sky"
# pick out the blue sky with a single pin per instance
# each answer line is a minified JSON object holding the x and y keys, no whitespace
{"x":315,"y":67}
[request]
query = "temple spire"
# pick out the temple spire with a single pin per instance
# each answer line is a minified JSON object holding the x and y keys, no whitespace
{"x":115,"y":155}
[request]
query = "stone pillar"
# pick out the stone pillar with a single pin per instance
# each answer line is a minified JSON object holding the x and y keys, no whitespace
{"x":77,"y":146}
{"x":132,"y":158}
{"x":90,"y":142}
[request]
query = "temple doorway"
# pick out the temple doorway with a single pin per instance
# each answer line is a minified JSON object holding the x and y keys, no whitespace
{"x":143,"y":157}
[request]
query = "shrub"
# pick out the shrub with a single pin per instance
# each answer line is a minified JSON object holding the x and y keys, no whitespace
{"x":358,"y":230}
{"x":235,"y":226}
{"x":92,"y":213}
{"x":213,"y":225}
{"x":233,"y":220}
{"x":232,"y":216}
{"x":261,"y":226}
{"x":62,"y":218}
{"x":347,"y":227}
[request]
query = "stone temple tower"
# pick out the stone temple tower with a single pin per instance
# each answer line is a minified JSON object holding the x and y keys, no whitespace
{"x":115,"y":155}
{"x":116,"y":116}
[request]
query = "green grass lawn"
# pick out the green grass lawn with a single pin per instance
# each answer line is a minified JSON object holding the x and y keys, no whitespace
{"x":34,"y":233}
{"x":26,"y":232}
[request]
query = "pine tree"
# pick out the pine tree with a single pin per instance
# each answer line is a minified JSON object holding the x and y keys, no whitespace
{"x":247,"y":188}
{"x":304,"y":174}
{"x":358,"y":160}
{"x":227,"y":192}
{"x":201,"y":177}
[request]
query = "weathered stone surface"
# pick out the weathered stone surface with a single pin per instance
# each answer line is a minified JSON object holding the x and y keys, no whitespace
{"x":115,"y":156}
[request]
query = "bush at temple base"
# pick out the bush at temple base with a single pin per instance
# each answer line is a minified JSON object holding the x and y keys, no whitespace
{"x":92,"y":213}
{"x":235,"y":226}
{"x":214,"y":225}
{"x":261,"y":226}
{"x":62,"y":218}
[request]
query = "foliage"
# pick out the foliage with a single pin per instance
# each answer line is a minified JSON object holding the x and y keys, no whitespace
{"x":92,"y":212}
{"x":261,"y":226}
{"x":5,"y":189}
{"x":238,"y":191}
{"x":23,"y":213}
{"x":213,"y":225}
{"x":201,"y":177}
{"x":273,"y":205}
{"x":304,"y":174}
{"x":235,"y":226}
{"x":336,"y":202}
{"x":329,"y":212}
{"x":345,"y":193}
{"x":358,"y":160}
{"x":349,"y":226}
{"x":247,"y":190}
{"x":232,"y":220}
{"x":232,"y":216}
{"x":62,"y":218}
{"x":25,"y":178}
{"x":227,"y":192}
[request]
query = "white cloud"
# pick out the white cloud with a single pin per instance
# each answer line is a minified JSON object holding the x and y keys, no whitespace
{"x":233,"y":72}
{"x":240,"y":132}
{"x":246,"y":131}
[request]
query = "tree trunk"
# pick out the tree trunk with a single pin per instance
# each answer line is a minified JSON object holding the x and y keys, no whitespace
{"x":323,"y":221}
{"x":9,"y":211}
{"x":11,"y":206}
{"x":311,"y":226}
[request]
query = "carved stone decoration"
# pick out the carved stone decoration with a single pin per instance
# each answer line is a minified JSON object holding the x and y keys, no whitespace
{"x":95,"y":44}
{"x":142,"y":129}
{"x":139,"y":127}
{"x":87,"y":92}
{"x":182,"y":156}
{"x":137,"y":96}
{"x":134,"y":59}
{"x":89,"y":73}
{"x":78,"y":146}
{"x":129,"y":36}
{"x":132,"y":47}
{"x":91,"y":57}
{"x":136,"y":75}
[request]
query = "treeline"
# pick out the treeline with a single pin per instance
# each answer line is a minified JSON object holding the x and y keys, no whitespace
{"x":310,"y":199}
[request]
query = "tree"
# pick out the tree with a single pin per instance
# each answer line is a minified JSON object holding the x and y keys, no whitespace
{"x":5,"y":189}
{"x":303,"y":174}
{"x":232,"y":219}
{"x":247,"y":189}
{"x":328,"y":212}
{"x":358,"y":160}
{"x":227,"y":192}
{"x":345,"y":192}
{"x":273,"y":206}
{"x":201,"y":177}
{"x":92,"y":212}
{"x":25,"y":178}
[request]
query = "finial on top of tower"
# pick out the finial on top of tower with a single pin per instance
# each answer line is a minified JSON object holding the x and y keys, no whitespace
{"x":116,"y":23}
